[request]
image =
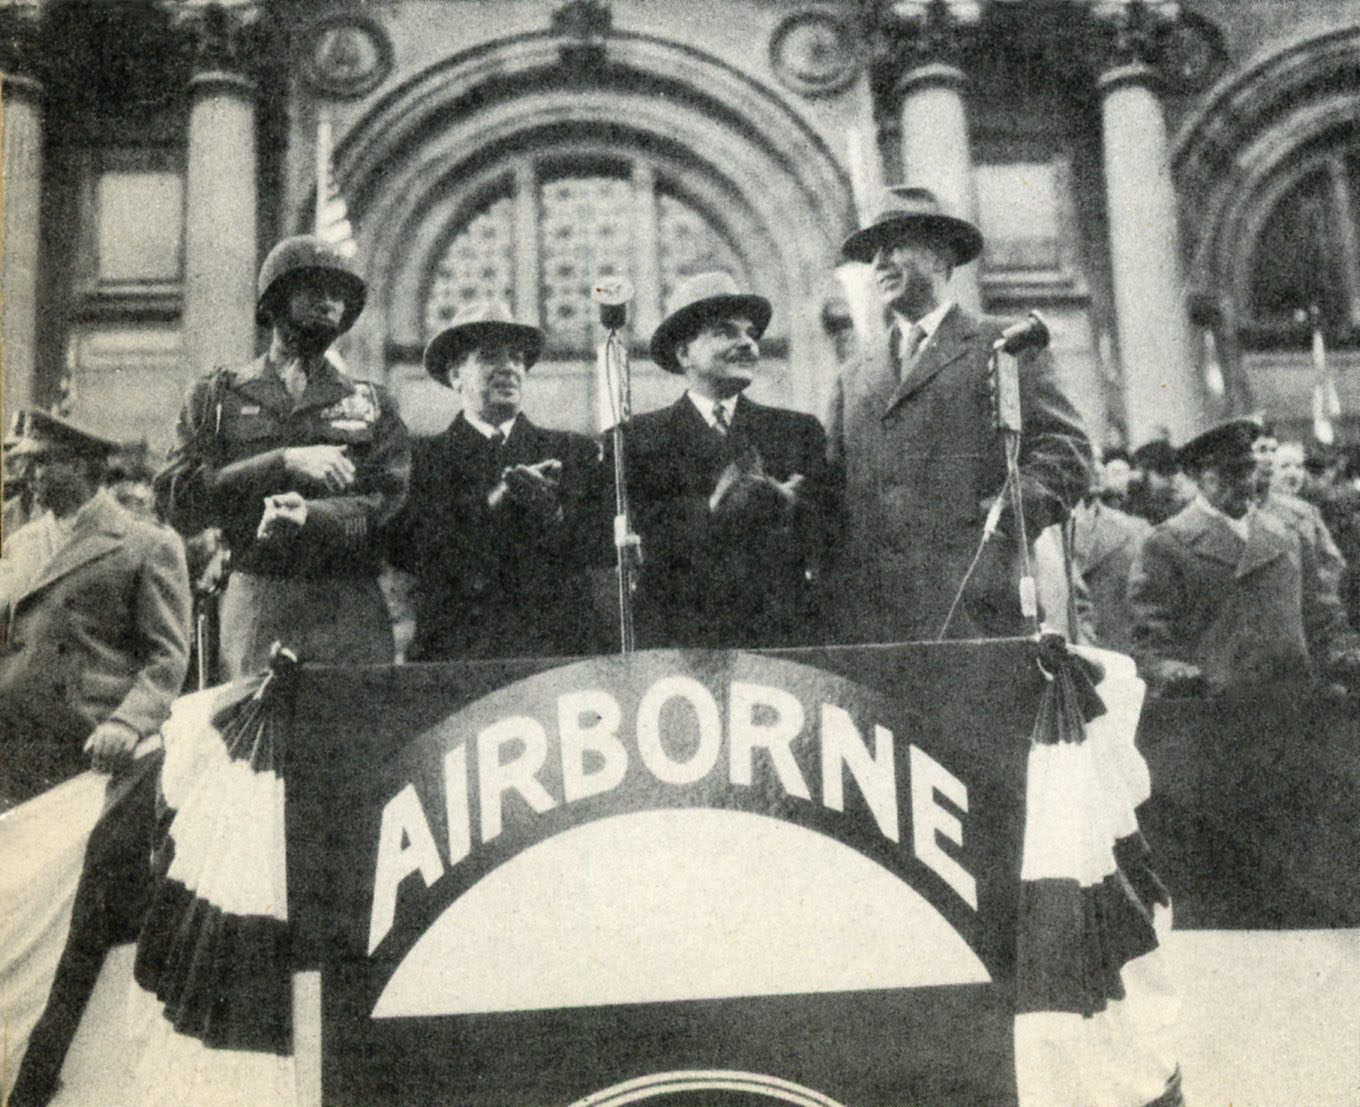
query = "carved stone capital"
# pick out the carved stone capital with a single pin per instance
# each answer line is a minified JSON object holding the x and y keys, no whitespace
{"x":916,"y":41}
{"x":21,"y":48}
{"x":226,"y":41}
{"x":1151,"y":41}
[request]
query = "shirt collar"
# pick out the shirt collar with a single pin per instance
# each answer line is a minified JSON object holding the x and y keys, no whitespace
{"x":928,"y":322}
{"x":705,"y":406}
{"x":1240,"y":526}
{"x":485,"y":429}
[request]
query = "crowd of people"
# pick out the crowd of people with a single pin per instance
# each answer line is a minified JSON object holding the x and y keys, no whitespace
{"x":1227,"y":565}
{"x":915,"y":511}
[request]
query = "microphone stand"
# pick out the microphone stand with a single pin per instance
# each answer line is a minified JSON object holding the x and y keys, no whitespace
{"x":614,"y":359}
{"x":1004,"y":381}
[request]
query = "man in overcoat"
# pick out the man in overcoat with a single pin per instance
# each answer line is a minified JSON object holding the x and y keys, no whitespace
{"x":911,"y":430}
{"x":94,"y":621}
{"x":1226,"y":597}
{"x":300,"y":465}
{"x":500,"y":530}
{"x":729,"y":495}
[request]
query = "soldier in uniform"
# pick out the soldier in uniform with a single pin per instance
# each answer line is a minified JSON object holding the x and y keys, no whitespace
{"x":300,"y":466}
{"x":1226,"y":597}
{"x":94,"y":620}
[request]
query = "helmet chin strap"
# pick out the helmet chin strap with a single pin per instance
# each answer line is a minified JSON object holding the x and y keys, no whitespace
{"x":305,"y":341}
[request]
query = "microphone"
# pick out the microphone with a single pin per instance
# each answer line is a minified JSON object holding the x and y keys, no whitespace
{"x":612,"y":295}
{"x":1031,"y":333}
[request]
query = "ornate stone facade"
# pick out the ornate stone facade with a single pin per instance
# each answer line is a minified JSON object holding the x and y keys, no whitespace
{"x":1125,"y":158}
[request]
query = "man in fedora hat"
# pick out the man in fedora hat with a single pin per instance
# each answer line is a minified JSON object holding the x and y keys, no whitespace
{"x":728,"y":494}
{"x":499,"y":530}
{"x":94,"y":619}
{"x":911,"y":429}
{"x":1226,"y":597}
{"x":300,"y":465}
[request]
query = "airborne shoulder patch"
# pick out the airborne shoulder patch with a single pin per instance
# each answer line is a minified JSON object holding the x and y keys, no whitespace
{"x":357,"y":411}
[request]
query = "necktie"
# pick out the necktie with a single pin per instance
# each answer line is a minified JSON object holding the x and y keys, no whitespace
{"x":720,"y":420}
{"x":911,"y":346}
{"x":905,"y":347}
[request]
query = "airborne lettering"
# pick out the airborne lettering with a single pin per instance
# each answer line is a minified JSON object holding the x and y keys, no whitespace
{"x":762,"y":721}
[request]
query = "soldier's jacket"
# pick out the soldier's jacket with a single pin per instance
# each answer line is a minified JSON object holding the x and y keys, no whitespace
{"x":1247,"y":613}
{"x":228,"y":456}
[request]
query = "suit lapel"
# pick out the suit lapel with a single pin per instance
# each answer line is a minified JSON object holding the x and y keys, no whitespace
{"x":98,"y":530}
{"x":1264,"y":544}
{"x":1211,"y":537}
{"x":693,"y":438}
{"x":946,"y":346}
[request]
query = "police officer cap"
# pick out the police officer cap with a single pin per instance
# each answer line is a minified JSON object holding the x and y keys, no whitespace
{"x":301,"y":258}
{"x":1224,"y":444}
{"x":44,"y":433}
{"x":1157,"y":456}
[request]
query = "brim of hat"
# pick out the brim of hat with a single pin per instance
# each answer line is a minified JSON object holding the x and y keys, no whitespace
{"x":449,"y":346}
{"x":36,"y":447}
{"x":963,"y":238}
{"x":678,"y":323}
{"x":353,"y":291}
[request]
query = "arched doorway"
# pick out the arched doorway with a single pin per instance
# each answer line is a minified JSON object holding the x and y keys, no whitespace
{"x":1270,"y":182}
{"x":505,"y":170}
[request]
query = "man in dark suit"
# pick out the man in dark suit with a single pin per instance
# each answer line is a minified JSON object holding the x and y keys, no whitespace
{"x":94,"y":621}
{"x":1226,"y":597}
{"x":499,"y":529}
{"x":912,"y":431}
{"x":728,"y":495}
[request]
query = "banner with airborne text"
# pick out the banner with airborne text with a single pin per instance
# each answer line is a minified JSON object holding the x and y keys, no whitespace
{"x":785,"y":878}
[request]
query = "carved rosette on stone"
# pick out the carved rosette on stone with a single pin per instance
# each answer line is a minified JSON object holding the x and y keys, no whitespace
{"x":346,"y":55}
{"x":815,"y":52}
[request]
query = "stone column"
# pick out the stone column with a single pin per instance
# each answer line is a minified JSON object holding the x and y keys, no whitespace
{"x":21,"y":93}
{"x":916,"y":50}
{"x":221,"y":248}
{"x":936,"y":153}
{"x":1162,"y":387}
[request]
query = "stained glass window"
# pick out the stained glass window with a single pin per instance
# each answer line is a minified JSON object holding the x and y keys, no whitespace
{"x":589,"y":222}
{"x":689,"y":244}
{"x":479,"y":264}
{"x":585,"y":232}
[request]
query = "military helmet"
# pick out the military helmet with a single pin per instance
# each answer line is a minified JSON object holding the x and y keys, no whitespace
{"x":294,"y":259}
